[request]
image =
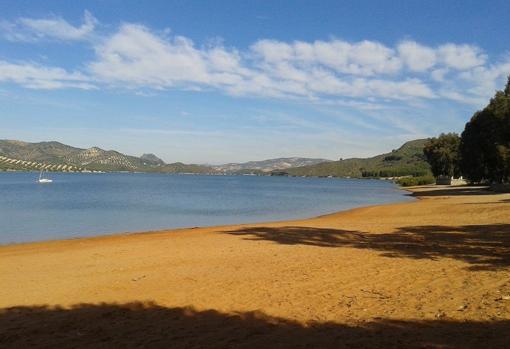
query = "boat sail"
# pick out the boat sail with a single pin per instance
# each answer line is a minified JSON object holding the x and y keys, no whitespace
{"x":43,"y":180}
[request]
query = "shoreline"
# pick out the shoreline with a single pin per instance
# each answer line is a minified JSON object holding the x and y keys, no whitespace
{"x":222,"y":226}
{"x":434,"y":272}
{"x":194,"y":228}
{"x":412,"y":192}
{"x":180,"y":230}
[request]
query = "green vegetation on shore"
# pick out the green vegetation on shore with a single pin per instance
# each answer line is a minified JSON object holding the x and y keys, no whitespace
{"x":412,"y":181}
{"x":408,"y":160}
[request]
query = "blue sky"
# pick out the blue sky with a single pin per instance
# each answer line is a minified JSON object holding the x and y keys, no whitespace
{"x":229,"y":81}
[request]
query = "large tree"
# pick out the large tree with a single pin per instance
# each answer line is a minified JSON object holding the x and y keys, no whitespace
{"x":442,"y":154}
{"x":485,"y":142}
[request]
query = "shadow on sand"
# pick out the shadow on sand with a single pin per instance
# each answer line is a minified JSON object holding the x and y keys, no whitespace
{"x":138,"y":325}
{"x":454,"y":191}
{"x":485,"y":247}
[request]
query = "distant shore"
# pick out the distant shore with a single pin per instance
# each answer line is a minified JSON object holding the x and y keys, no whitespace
{"x":431,"y":272}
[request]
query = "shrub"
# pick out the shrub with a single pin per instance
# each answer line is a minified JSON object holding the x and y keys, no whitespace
{"x":392,"y":158}
{"x":411,"y":181}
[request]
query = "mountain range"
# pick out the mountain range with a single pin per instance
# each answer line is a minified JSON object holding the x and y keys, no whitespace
{"x":265,"y":166}
{"x":55,"y":156}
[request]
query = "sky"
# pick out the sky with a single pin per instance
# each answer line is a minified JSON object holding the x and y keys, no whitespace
{"x":213,"y":82}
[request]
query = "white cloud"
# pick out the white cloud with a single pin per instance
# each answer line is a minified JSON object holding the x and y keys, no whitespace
{"x":462,"y":97}
{"x":474,"y":86}
{"x":273,"y":51}
{"x":351,"y":73}
{"x":399,"y":89}
{"x":39,"y":77}
{"x":461,"y":57}
{"x":417,"y":57}
{"x":439,"y":74}
{"x":484,"y":81}
{"x":136,"y":56}
{"x":362,"y":58}
{"x":30,"y":29}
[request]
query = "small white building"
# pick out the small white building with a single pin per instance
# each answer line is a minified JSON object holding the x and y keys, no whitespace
{"x":447,"y":180}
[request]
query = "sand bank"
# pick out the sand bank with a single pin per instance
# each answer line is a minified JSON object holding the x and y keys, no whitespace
{"x":431,"y":273}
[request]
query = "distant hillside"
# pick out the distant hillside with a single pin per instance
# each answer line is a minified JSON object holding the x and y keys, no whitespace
{"x":55,"y":156}
{"x":267,"y":165}
{"x":152,"y":159}
{"x":407,"y":160}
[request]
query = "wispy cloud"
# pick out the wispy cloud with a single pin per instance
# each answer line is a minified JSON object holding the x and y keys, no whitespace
{"x":364,"y":75}
{"x":35,"y":76}
{"x":54,"y":28}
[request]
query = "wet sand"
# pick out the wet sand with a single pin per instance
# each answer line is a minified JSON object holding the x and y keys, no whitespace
{"x":431,"y":273}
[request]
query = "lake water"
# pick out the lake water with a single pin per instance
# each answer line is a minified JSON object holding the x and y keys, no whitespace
{"x":78,"y":205}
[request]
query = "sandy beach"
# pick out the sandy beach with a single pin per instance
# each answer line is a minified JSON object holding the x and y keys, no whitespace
{"x":434,"y":273}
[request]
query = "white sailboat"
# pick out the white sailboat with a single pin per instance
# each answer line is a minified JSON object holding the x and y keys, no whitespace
{"x":43,"y":180}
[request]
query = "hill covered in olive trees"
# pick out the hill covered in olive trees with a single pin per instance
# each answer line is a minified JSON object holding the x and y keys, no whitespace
{"x":55,"y":156}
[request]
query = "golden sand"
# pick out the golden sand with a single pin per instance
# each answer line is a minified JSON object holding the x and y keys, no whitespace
{"x":431,"y":273}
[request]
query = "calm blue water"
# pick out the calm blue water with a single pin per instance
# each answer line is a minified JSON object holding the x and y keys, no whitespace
{"x":76,"y":205}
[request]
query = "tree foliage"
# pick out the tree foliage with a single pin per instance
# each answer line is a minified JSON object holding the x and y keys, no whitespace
{"x":485,"y":142}
{"x":442,"y":154}
{"x":412,"y":181}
